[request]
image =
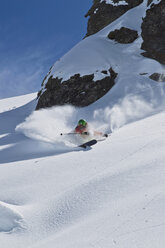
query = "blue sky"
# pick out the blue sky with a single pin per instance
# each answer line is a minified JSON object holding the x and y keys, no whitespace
{"x":33,"y":35}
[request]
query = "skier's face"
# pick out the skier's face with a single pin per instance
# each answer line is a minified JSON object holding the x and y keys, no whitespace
{"x":81,"y":127}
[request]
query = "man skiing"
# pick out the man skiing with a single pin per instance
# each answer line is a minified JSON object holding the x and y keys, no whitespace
{"x":83,"y":129}
{"x":85,"y":135}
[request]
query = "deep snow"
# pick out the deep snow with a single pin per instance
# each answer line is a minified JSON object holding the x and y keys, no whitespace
{"x":110,"y":195}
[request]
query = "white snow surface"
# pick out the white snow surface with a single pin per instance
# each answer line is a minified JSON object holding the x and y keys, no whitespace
{"x":54,"y":194}
{"x":57,"y":196}
{"x":114,"y":4}
{"x":15,"y":102}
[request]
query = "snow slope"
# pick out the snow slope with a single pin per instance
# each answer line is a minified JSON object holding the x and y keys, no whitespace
{"x":15,"y":102}
{"x":109,"y":196}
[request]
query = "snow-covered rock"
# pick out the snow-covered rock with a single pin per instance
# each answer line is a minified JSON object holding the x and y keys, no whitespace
{"x":78,"y":91}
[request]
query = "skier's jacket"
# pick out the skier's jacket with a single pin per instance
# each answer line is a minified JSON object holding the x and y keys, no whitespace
{"x":85,"y":130}
{"x":80,"y":129}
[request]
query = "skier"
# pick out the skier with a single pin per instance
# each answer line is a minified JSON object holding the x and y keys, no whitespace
{"x":89,"y":137}
{"x":83,"y":129}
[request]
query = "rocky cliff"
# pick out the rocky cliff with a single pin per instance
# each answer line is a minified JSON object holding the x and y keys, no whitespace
{"x":78,"y":91}
{"x":87,"y":73}
{"x":153,"y":32}
{"x":102,"y":13}
{"x":153,"y":26}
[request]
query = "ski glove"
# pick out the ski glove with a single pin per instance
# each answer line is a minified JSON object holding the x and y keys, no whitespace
{"x":105,"y":135}
{"x":86,"y":133}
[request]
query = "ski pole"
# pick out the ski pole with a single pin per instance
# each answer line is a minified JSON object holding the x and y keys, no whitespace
{"x":68,"y":133}
{"x":86,"y":133}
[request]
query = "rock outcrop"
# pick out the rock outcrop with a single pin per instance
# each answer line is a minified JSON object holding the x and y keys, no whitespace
{"x":78,"y":91}
{"x":102,"y":14}
{"x":158,"y":77}
{"x":123,"y":35}
{"x":153,"y":32}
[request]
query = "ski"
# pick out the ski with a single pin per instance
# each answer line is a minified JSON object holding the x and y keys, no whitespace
{"x":88,"y":144}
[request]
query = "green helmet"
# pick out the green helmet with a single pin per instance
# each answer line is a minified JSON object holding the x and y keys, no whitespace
{"x":82,"y":122}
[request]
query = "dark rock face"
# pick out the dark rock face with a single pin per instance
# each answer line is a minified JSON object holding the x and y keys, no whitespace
{"x":78,"y":91}
{"x":153,"y":32}
{"x":123,"y":35}
{"x":158,"y":77}
{"x":149,"y":2}
{"x":102,"y":14}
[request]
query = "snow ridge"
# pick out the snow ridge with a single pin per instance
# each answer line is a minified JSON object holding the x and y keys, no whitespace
{"x":114,"y":4}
